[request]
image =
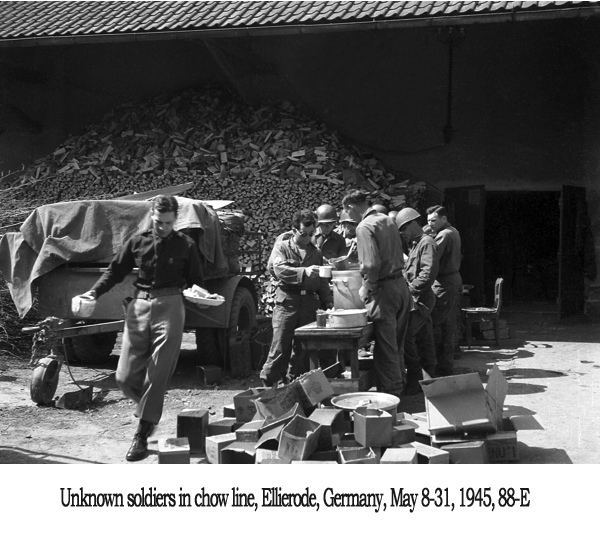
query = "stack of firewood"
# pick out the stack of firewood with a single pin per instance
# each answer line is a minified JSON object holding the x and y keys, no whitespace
{"x":271,"y":160}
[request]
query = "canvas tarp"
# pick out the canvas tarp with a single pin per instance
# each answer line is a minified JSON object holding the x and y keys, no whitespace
{"x":92,"y":231}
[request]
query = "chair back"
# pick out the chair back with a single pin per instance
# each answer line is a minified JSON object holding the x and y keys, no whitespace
{"x":498,"y":294}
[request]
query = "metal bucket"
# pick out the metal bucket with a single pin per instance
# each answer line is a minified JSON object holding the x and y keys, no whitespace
{"x":346,"y":285}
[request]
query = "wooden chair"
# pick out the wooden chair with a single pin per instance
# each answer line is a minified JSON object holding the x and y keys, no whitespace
{"x":477,"y":314}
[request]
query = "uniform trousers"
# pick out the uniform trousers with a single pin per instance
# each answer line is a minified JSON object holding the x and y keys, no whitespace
{"x":388,"y":308}
{"x":286,"y":355}
{"x":447,"y":290}
{"x":419,"y":349}
{"x":151,"y":344}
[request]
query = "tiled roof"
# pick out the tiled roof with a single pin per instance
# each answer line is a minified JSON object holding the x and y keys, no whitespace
{"x":34,"y":20}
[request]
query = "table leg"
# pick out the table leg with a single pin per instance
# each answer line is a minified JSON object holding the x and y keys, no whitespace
{"x":354,"y":373}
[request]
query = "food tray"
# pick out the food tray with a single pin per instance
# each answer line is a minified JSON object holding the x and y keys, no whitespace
{"x":204,"y":301}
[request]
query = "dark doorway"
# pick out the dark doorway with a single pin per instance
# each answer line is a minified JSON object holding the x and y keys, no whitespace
{"x":521,"y":237}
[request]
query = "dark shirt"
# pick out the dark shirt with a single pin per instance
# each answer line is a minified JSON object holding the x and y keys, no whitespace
{"x":332,"y":246}
{"x":171,"y":262}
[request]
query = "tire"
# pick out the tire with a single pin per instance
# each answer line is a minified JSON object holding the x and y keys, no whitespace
{"x":44,"y":381}
{"x":94,"y":349}
{"x":207,"y":345}
{"x":242,"y":320}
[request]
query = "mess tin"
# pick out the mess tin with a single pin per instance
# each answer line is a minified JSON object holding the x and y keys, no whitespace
{"x":83,"y":306}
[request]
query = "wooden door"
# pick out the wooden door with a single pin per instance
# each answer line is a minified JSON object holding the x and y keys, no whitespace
{"x":573,"y":214}
{"x":466,"y":207}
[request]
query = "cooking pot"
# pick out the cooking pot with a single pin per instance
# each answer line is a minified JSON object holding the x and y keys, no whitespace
{"x":373,"y":400}
{"x":346,"y":318}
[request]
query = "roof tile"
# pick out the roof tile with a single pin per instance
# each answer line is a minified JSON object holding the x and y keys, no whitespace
{"x":58,"y":18}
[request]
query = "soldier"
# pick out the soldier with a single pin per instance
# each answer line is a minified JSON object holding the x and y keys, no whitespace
{"x":384,"y":289}
{"x":420,"y":271}
{"x":331,"y":243}
{"x":294,"y":263}
{"x":168,"y":261}
{"x":447,"y":287}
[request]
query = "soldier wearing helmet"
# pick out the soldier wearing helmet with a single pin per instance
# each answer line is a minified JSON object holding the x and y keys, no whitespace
{"x":331,"y":243}
{"x":380,"y":208}
{"x":420,"y":272}
{"x":384,"y":289}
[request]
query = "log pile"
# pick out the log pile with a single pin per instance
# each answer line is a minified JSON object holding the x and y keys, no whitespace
{"x":271,"y":160}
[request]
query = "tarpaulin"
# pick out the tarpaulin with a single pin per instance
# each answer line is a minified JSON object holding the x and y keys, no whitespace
{"x":92,"y":231}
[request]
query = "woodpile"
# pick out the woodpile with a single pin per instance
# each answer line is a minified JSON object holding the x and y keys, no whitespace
{"x":271,"y":160}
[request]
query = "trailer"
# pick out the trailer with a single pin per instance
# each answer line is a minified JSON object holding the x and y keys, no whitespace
{"x":62,"y":249}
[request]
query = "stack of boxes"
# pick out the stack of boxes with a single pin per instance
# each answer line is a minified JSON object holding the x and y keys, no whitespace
{"x":297,"y":423}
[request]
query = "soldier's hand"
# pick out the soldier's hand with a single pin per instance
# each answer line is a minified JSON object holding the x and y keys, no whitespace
{"x":312,"y":271}
{"x":89,"y":294}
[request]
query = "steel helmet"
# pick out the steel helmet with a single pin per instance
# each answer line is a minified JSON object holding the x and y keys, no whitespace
{"x":326,"y":213}
{"x":406,"y":215}
{"x":345,"y":217}
{"x":380,"y":208}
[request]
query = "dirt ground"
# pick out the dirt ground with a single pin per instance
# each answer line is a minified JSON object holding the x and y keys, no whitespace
{"x":553,"y":370}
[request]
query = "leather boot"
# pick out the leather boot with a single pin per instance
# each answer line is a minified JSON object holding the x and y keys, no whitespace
{"x":139,"y":445}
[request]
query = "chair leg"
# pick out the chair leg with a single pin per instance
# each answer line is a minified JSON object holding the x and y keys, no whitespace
{"x":497,"y":330}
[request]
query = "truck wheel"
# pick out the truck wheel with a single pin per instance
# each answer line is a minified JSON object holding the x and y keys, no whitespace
{"x":242,"y":320}
{"x":95,"y":348}
{"x":207,"y":344}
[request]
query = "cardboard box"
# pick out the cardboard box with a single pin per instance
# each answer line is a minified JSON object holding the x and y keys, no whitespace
{"x":276,"y":402}
{"x":431,"y":455}
{"x":502,"y":447}
{"x":470,"y":452}
{"x":269,"y":424}
{"x":249,"y":432}
{"x":270,"y":439}
{"x":215,"y":444}
{"x":403,"y":433}
{"x":373,"y":427}
{"x":299,"y":438}
{"x":364,"y":455}
{"x":261,"y":455}
{"x":422,"y":434}
{"x":348,"y":441}
{"x":226,"y":425}
{"x":460,"y":403}
{"x":333,"y":426}
{"x":193,"y":424}
{"x":314,"y":387}
{"x":229,"y":411}
{"x":245,"y":409}
{"x":405,"y":454}
{"x":174,"y":450}
{"x":314,"y":462}
{"x":276,"y":461}
{"x":324,"y":456}
{"x":238,"y":453}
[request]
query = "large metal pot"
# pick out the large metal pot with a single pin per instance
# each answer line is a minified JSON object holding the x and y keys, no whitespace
{"x":346,"y":318}
{"x":374,"y":400}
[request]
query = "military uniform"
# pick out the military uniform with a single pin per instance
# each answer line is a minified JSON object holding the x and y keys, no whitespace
{"x":297,"y":299}
{"x":388,"y":298}
{"x":420,"y":272}
{"x":447,"y":289}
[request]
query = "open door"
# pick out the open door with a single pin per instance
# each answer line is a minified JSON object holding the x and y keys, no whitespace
{"x":573,"y":220}
{"x":466,"y":206}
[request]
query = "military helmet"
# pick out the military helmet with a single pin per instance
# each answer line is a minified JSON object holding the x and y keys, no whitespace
{"x":326,"y":213}
{"x":406,"y":215}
